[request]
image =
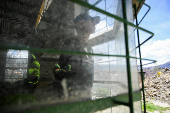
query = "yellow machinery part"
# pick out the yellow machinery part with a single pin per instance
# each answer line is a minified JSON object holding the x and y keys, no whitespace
{"x":39,"y":15}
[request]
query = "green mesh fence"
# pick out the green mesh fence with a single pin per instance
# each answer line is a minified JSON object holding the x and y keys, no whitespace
{"x":105,"y":61}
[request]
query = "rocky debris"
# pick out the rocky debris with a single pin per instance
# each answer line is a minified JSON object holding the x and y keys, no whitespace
{"x":158,"y":87}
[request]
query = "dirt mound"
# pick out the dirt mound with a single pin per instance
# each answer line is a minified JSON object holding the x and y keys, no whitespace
{"x":157,"y":86}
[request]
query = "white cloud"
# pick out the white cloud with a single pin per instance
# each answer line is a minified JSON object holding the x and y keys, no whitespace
{"x":157,"y":50}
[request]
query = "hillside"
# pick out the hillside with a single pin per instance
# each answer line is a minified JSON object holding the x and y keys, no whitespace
{"x":165,"y":65}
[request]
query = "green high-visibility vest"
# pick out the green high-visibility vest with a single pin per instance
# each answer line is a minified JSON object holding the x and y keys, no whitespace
{"x":34,"y":70}
{"x":58,"y":66}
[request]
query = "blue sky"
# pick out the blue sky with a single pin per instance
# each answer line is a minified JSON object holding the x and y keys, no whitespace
{"x":157,"y":21}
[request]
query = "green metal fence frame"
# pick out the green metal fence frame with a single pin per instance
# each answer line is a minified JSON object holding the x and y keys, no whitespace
{"x":100,"y":104}
{"x":141,"y":69}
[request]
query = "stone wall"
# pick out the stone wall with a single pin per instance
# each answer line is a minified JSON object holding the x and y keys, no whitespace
{"x":18,"y":26}
{"x":18,"y":20}
{"x":55,"y":26}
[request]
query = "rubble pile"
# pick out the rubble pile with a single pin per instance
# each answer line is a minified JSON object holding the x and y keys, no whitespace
{"x":157,"y":87}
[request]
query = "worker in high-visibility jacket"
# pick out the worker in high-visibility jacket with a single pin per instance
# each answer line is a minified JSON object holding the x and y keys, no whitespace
{"x":61,"y":73}
{"x":34,"y":70}
{"x":79,"y":84}
{"x":65,"y":72}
